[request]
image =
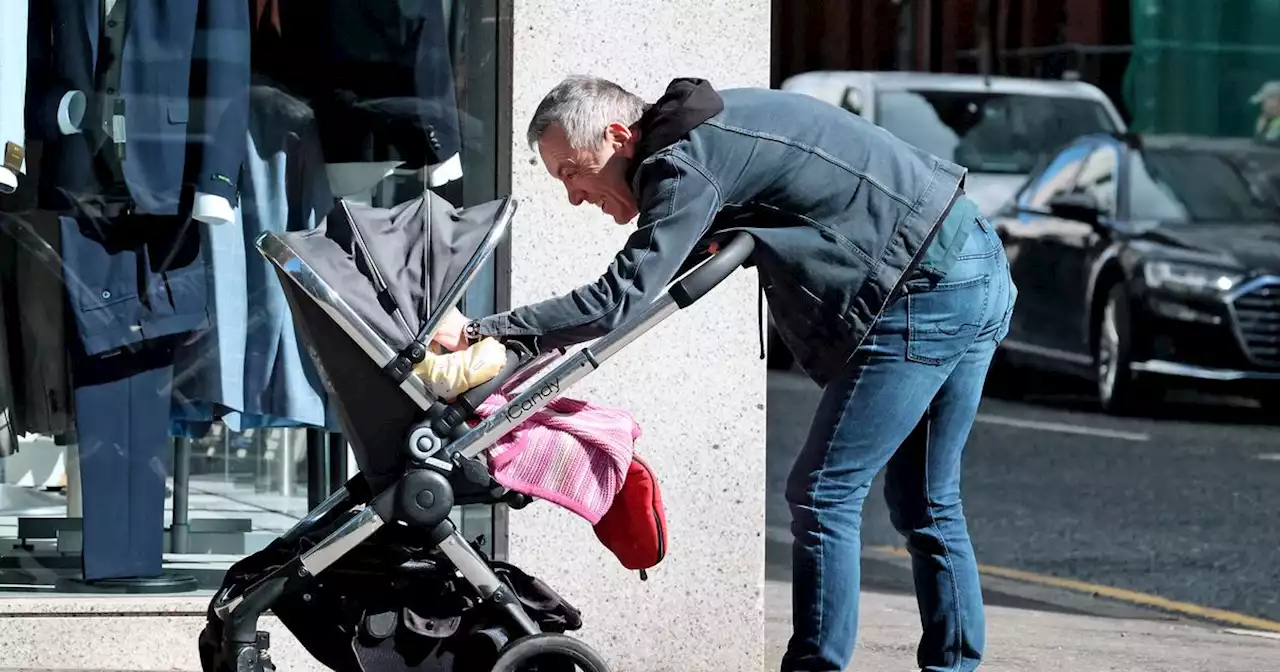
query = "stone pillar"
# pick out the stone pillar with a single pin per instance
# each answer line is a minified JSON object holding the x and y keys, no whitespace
{"x":696,"y":383}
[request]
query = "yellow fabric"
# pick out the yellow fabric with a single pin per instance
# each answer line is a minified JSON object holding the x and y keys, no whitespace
{"x":450,"y":374}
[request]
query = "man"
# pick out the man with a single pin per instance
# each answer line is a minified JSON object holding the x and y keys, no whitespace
{"x":883,"y":280}
{"x":1267,"y":130}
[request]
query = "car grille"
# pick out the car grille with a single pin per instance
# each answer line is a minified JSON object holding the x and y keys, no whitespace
{"x":1258,"y":318}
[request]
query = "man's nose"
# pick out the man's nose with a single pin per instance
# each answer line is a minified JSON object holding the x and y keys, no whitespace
{"x":576,"y":196}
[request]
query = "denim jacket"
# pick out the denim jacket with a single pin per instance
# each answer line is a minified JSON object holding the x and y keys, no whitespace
{"x":842,"y":213}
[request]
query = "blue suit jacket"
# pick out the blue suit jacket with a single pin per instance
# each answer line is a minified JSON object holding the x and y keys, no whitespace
{"x":184,"y":82}
{"x":184,"y":79}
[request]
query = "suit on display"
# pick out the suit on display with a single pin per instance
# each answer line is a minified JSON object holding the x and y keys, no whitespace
{"x":167,"y":80}
{"x":377,"y":73}
{"x":337,"y":84}
{"x":250,"y":369}
{"x":143,"y":109}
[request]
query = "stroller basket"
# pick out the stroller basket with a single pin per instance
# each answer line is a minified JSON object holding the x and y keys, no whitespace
{"x":377,"y":577}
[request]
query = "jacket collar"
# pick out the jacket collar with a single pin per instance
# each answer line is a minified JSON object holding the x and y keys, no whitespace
{"x":686,"y":103}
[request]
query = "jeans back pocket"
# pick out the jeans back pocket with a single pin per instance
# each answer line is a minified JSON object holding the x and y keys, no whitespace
{"x":943,"y":319}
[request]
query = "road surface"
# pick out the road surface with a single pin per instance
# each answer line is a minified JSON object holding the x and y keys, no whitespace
{"x":1178,"y":512}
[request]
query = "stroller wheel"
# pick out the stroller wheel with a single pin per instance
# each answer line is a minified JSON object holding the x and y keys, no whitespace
{"x":549,"y":652}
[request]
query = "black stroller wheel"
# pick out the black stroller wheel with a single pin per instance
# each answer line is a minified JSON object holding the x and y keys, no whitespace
{"x":549,"y":652}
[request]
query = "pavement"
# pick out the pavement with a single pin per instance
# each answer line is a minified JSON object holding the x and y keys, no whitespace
{"x":1024,"y":639}
{"x":1106,"y":543}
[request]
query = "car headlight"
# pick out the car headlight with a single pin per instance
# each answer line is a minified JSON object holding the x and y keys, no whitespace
{"x":1189,"y":278}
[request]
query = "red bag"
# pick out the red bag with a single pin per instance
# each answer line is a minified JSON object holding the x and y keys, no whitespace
{"x":635,"y":526}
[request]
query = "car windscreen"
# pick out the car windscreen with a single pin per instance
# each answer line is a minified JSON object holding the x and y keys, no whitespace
{"x":989,"y":132}
{"x":1204,"y":185}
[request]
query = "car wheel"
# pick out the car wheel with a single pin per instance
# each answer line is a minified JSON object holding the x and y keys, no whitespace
{"x":1119,"y":388}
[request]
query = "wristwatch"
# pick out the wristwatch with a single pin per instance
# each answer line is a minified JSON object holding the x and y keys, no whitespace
{"x":471,"y":332}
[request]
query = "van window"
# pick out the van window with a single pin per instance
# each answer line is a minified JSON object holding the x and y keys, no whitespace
{"x":989,"y":132}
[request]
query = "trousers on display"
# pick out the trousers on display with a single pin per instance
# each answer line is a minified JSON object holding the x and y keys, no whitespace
{"x":136,"y":287}
{"x":122,"y":403}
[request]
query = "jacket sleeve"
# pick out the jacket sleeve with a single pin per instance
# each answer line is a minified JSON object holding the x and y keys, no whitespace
{"x":678,"y":201}
{"x":221,"y":72}
{"x":47,"y":64}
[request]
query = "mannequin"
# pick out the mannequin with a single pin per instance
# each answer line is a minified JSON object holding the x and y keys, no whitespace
{"x":425,"y":74}
{"x":142,"y":149}
{"x":206,"y":207}
{"x":379,"y":78}
{"x":13,"y":92}
{"x":377,"y":82}
{"x":250,"y":371}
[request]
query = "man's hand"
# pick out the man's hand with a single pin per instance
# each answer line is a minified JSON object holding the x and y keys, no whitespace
{"x":450,"y":334}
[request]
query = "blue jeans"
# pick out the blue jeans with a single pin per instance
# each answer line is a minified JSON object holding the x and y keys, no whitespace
{"x":906,"y":404}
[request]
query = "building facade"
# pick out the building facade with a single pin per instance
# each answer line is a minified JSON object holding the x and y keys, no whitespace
{"x":1088,"y":39}
{"x":238,"y":442}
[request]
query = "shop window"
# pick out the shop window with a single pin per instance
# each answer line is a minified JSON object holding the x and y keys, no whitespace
{"x":147,"y":145}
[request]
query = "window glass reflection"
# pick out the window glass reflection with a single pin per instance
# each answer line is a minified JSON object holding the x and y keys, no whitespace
{"x":1206,"y":186}
{"x":990,"y":132}
{"x":147,"y":144}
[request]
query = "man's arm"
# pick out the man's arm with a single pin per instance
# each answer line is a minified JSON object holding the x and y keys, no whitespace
{"x":678,"y":202}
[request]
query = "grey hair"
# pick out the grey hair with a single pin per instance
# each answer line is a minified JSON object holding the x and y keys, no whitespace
{"x":584,"y":106}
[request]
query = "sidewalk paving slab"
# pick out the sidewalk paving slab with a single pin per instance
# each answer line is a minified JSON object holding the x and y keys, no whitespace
{"x":1027,"y":640}
{"x":147,"y":634}
{"x":70,"y":633}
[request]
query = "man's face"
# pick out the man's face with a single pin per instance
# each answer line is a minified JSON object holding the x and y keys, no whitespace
{"x":596,"y":175}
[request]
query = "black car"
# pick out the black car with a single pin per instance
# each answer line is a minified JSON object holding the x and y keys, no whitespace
{"x":1144,"y":262}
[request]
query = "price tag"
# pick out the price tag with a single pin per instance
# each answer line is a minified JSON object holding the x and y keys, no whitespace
{"x":14,"y":155}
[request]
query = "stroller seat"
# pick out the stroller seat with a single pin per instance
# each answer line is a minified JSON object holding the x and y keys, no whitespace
{"x":377,"y":577}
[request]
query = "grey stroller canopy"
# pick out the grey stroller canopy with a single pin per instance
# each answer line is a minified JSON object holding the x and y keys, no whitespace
{"x":365,"y":284}
{"x":391,"y":266}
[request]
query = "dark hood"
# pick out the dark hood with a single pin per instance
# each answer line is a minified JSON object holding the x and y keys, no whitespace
{"x":686,"y":103}
{"x":1253,"y":246}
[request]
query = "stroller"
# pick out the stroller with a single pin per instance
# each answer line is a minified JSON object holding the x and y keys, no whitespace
{"x":377,"y":578}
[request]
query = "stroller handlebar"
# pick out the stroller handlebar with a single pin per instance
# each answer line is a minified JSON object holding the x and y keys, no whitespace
{"x":717,"y":269}
{"x":516,"y":358}
{"x":691,"y":287}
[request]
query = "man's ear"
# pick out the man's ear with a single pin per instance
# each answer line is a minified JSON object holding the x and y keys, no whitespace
{"x":623,"y":137}
{"x":618,"y":133}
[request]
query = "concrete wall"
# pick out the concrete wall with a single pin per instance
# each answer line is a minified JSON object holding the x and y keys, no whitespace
{"x":695,"y":383}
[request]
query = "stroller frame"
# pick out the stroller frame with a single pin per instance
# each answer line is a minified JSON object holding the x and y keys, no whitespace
{"x":444,"y":451}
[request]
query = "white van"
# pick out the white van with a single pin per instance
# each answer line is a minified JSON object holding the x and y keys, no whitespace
{"x":997,"y":127}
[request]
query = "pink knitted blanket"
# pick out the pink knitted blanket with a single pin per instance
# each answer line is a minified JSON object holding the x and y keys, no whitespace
{"x":571,"y":453}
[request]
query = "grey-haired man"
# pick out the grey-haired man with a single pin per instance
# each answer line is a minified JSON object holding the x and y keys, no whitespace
{"x":883,"y":280}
